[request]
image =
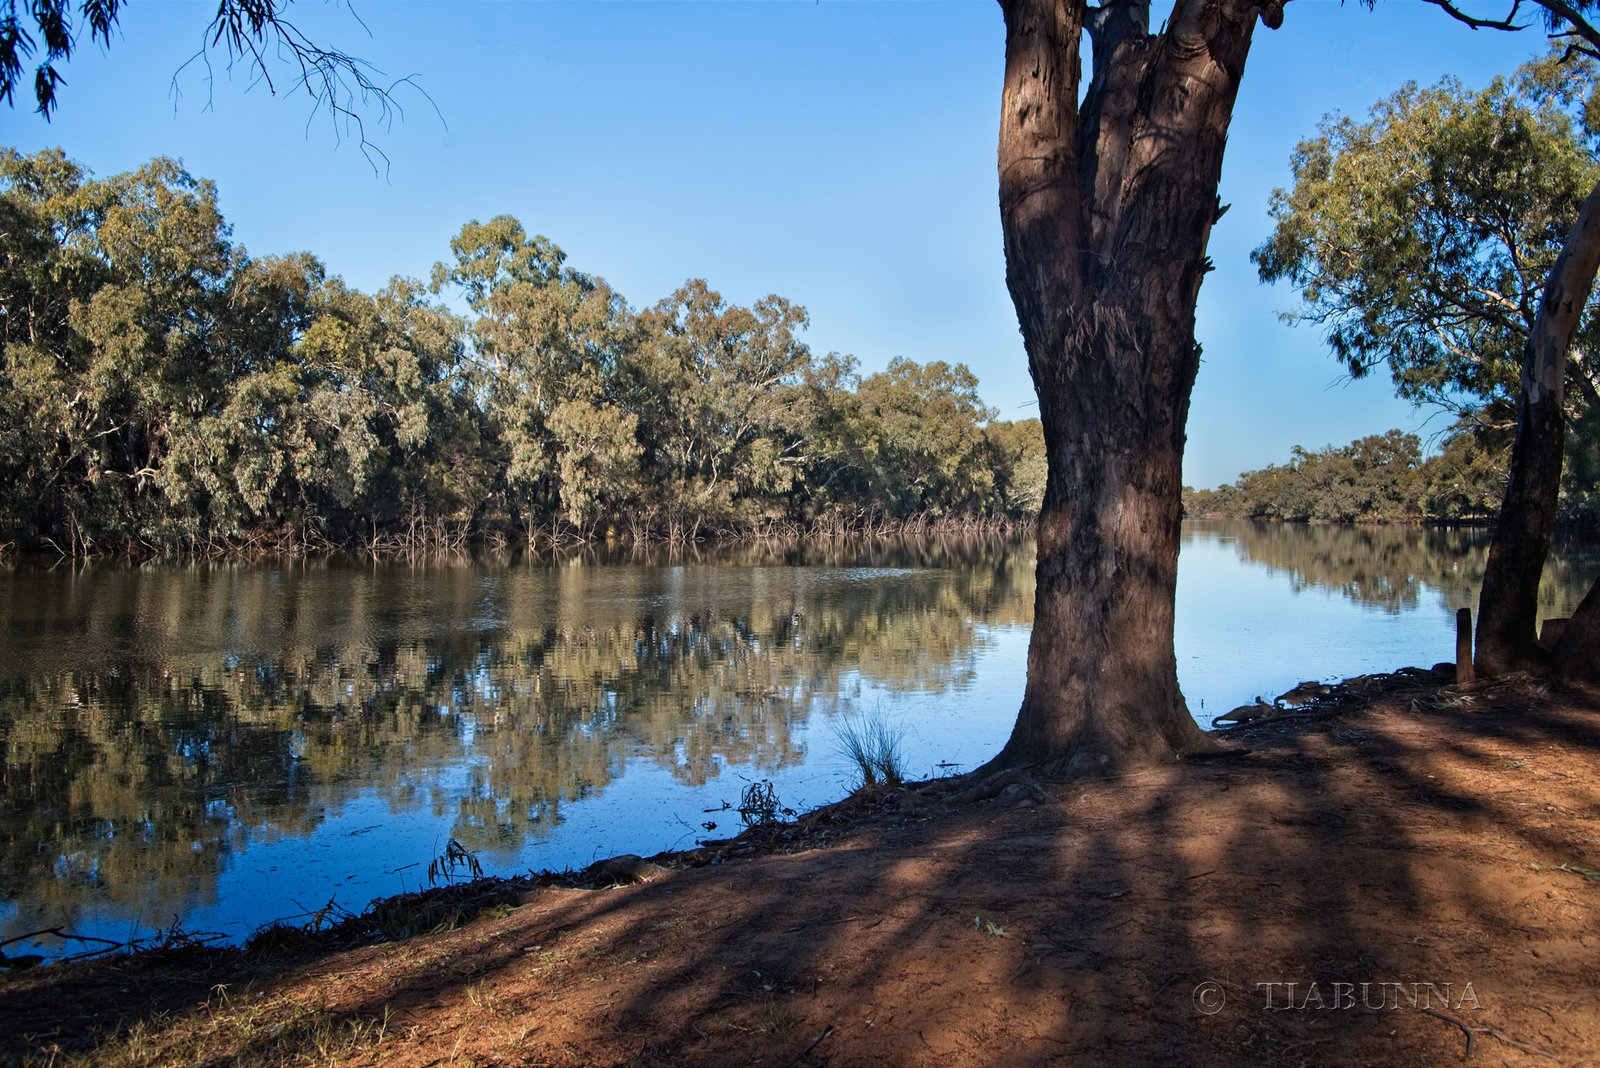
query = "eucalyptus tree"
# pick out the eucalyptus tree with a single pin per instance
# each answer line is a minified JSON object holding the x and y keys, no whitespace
{"x":1378,"y":478}
{"x":1464,"y":480}
{"x":112,"y":290}
{"x":46,"y":263}
{"x":229,"y":470}
{"x":1108,"y":192}
{"x":720,"y":391}
{"x":547,"y":346}
{"x":1016,"y":450}
{"x":360,"y":425}
{"x":921,"y":438}
{"x":1437,"y":239}
{"x":1420,"y":238}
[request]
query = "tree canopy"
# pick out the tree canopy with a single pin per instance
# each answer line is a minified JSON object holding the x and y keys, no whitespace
{"x":1379,"y":478}
{"x":161,"y":390}
{"x":1420,"y":241}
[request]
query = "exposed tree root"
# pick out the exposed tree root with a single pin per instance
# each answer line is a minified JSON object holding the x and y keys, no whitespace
{"x":1010,"y":782}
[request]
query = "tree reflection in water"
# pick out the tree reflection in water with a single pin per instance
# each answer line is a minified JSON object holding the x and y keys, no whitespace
{"x":159,"y":721}
{"x":166,"y":728}
{"x":1389,"y":567}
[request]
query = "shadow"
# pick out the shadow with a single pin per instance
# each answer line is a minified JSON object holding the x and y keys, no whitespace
{"x":1384,"y":884}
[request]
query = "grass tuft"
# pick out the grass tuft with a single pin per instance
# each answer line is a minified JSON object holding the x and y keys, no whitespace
{"x":873,"y":746}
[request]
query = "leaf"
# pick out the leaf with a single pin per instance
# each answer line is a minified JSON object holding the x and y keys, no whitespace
{"x":1588,"y":873}
{"x":987,"y":927}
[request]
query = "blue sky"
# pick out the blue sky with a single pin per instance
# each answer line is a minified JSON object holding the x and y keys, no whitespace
{"x":839,"y":154}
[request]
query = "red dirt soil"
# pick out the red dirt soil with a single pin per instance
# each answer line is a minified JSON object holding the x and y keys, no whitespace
{"x":1402,"y":883}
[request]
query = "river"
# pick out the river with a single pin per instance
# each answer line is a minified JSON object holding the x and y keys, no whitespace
{"x":224,"y":745}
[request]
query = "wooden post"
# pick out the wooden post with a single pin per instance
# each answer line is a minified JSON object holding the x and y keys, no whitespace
{"x":1464,"y":672}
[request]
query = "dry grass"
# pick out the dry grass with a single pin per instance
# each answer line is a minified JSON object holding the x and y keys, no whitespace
{"x":873,"y":746}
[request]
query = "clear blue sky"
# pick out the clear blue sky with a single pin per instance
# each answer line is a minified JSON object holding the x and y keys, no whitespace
{"x":839,"y":154}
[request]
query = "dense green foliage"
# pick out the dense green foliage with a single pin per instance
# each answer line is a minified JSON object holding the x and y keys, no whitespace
{"x":163,"y":391}
{"x":1420,"y":240}
{"x":1381,"y":478}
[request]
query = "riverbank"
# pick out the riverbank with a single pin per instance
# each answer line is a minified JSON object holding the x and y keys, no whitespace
{"x":436,"y":540}
{"x":1404,"y":877}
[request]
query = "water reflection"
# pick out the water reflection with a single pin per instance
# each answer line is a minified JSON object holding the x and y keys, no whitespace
{"x":1393,"y":568}
{"x":160,"y":721}
{"x":211,"y":742}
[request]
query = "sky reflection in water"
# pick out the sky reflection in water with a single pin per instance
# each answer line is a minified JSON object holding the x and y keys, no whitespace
{"x":229,"y":745}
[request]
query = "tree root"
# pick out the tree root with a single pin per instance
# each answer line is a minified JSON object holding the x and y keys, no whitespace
{"x":1010,"y":782}
{"x":1492,"y":1032}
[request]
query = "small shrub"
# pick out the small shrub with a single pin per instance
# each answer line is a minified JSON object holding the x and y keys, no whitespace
{"x":759,"y":804}
{"x":455,"y":856}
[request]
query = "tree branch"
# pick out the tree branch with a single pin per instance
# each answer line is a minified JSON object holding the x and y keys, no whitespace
{"x":1562,"y":20}
{"x":1508,"y":23}
{"x":250,"y":31}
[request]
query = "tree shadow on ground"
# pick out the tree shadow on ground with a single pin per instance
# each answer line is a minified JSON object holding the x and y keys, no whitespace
{"x":1397,"y":883}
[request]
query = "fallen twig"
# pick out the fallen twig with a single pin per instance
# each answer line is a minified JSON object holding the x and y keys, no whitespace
{"x":60,"y":933}
{"x":815,"y":1042}
{"x":1492,"y":1032}
{"x":1495,"y":1032}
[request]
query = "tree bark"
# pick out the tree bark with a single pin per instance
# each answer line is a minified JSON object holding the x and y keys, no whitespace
{"x":1508,"y":604}
{"x":1577,"y":654}
{"x":1106,"y":210}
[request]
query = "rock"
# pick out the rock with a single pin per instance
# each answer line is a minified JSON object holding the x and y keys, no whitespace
{"x":625,"y":870}
{"x":1303,"y":694}
{"x":1248,"y":713}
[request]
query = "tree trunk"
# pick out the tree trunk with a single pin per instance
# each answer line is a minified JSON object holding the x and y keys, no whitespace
{"x":1106,"y":210}
{"x":1508,"y":605}
{"x":1577,"y":654}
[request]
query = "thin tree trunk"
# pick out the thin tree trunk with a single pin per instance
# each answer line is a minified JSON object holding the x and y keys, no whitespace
{"x":1508,"y":605}
{"x":1106,"y":211}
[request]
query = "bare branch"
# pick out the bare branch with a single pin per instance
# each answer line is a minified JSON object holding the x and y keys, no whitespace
{"x":1562,"y":21}
{"x":254,"y":34}
{"x":1508,"y":23}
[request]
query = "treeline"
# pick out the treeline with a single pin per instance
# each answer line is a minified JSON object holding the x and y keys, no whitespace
{"x":162,"y":391}
{"x":1381,"y":478}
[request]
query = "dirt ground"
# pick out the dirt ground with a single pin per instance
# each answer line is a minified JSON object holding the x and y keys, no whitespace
{"x":1405,"y":878}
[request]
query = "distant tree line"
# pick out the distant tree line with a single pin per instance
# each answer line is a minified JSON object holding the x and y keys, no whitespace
{"x":1383,"y":478}
{"x":163,"y":391}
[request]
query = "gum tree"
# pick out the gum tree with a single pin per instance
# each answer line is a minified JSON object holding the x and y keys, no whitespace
{"x":1437,"y":239}
{"x":1108,"y":192}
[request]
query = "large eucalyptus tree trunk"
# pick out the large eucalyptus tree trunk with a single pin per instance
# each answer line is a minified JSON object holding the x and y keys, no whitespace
{"x":1509,"y":603}
{"x":1106,"y":209}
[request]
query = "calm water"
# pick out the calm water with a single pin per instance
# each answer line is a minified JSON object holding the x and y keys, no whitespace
{"x":230,"y":745}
